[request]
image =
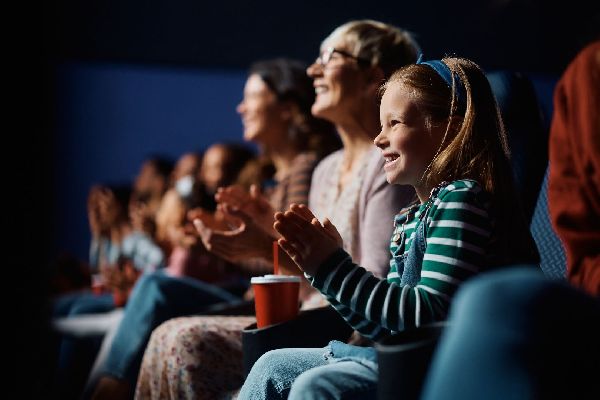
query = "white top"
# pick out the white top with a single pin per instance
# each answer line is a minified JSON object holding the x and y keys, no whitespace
{"x":275,"y":279}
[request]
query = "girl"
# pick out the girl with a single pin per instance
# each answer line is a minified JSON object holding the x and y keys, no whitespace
{"x":441,"y":133}
{"x":201,"y":357}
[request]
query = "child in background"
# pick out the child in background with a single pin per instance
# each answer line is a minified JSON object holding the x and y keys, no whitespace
{"x":442,"y":134}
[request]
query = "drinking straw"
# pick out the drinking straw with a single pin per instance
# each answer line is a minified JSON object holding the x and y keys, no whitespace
{"x":275,"y":258}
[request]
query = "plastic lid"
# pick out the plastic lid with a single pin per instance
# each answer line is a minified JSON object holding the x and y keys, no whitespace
{"x":275,"y":279}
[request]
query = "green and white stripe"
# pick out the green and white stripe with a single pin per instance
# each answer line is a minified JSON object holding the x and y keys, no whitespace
{"x":458,"y":238}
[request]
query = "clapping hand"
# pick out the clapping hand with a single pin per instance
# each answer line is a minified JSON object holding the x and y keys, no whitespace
{"x":306,"y":240}
{"x":239,"y":243}
{"x":253,"y":204}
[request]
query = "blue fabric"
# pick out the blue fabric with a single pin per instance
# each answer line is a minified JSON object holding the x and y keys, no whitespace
{"x":76,"y":354}
{"x":552,"y":254}
{"x":443,"y":71}
{"x":156,"y":298}
{"x":310,"y":374}
{"x":527,"y":133}
{"x":80,"y":303}
{"x":340,"y":350}
{"x":515,"y":334}
{"x":410,"y":268}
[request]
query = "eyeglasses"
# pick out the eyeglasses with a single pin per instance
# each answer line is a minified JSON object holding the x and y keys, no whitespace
{"x":325,"y":57}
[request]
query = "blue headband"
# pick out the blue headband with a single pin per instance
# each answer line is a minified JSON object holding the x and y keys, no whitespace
{"x":442,"y":70}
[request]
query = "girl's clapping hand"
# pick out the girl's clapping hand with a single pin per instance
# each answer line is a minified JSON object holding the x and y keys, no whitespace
{"x":306,"y":240}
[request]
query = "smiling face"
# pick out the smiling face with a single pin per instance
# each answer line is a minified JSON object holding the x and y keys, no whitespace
{"x":264,"y":118}
{"x":408,"y":143}
{"x":339,"y":84}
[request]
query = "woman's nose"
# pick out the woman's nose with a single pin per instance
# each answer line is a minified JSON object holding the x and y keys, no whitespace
{"x":240,"y":108}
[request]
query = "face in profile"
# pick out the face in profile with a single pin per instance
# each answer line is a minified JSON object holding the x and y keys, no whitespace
{"x":169,"y":217}
{"x":188,"y":164}
{"x":213,"y":167}
{"x":144,"y":181}
{"x":339,"y":82}
{"x":406,"y":140}
{"x":262,"y":115}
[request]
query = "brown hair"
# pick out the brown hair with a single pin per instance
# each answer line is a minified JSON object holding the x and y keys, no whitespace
{"x":288,"y":80}
{"x":475,"y":145}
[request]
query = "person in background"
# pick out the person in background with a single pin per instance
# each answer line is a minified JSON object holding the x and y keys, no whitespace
{"x":186,"y":356}
{"x":114,"y":245}
{"x":193,"y":279}
{"x":118,"y":256}
{"x":153,"y":180}
{"x":150,"y":184}
{"x":276,"y":116}
{"x":442,"y":133}
{"x":519,"y":335}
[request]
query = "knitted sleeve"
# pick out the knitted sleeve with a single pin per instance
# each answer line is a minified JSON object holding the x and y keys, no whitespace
{"x":458,"y":232}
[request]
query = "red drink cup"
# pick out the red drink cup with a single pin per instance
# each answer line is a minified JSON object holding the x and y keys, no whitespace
{"x":275,"y":298}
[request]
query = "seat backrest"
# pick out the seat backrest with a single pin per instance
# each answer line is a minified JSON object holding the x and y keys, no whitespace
{"x":553,"y":260}
{"x":526,"y":130}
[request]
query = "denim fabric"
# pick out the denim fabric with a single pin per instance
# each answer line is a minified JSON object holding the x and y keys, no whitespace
{"x":311,"y":374}
{"x":272,"y":375}
{"x":81,"y":303}
{"x":155,"y":298}
{"x":76,"y":349}
{"x":410,"y":269}
{"x":348,"y":380}
{"x":516,"y":334}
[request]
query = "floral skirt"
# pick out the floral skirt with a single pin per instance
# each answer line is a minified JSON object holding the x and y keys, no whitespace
{"x":193,"y":358}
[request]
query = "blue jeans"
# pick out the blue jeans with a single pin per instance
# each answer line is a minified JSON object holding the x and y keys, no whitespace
{"x":155,"y":298}
{"x":515,"y":334}
{"x":309,"y":374}
{"x":80,"y":303}
{"x":75,"y":354}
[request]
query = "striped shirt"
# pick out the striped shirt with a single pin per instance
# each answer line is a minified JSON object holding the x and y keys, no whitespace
{"x":458,"y":245}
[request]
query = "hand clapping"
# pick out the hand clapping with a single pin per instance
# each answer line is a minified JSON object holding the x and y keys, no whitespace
{"x":308,"y":242}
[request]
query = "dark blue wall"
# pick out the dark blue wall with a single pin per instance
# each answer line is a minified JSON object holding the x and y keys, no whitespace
{"x":110,"y":117}
{"x":129,"y":96}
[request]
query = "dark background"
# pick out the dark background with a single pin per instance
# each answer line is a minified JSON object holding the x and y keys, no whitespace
{"x":534,"y":35}
{"x":95,"y":86}
{"x":129,"y":78}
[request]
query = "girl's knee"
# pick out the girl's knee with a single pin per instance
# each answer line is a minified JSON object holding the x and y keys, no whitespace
{"x":314,"y":382}
{"x":270,"y":363}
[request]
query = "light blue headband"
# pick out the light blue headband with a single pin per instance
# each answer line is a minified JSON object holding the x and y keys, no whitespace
{"x":442,"y":70}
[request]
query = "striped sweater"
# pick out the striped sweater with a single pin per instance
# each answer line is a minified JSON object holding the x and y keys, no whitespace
{"x":458,"y":245}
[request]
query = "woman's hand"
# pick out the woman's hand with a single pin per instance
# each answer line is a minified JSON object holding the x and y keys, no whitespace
{"x":308,"y":242}
{"x":216,"y":220}
{"x":252,"y":203}
{"x":237,"y":244}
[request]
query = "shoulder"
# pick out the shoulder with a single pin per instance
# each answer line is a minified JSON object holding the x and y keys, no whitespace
{"x":374,"y":175}
{"x":375,"y":162}
{"x":463,"y":189}
{"x":305,"y":161}
{"x":329,"y":163}
{"x":462,"y":196}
